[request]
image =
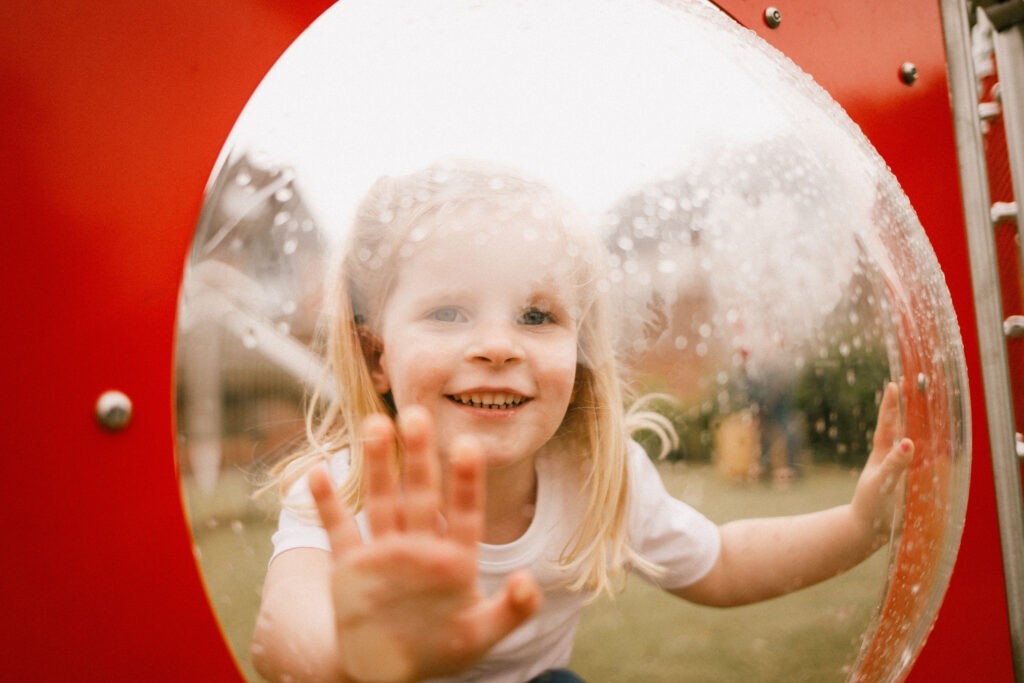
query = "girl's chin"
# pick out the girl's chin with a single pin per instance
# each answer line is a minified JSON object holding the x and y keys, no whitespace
{"x":505,"y":462}
{"x":497,"y":454}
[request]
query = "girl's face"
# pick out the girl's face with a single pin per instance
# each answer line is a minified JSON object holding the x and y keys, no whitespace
{"x":480,"y":329}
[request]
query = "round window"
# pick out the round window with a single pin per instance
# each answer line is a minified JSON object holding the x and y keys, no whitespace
{"x":638,"y":196}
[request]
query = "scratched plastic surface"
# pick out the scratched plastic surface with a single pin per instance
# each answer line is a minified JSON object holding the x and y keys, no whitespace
{"x":765,"y":272}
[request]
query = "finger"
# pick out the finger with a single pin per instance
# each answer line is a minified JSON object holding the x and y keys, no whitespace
{"x":466,"y":493}
{"x":380,"y":486}
{"x":517,"y":601}
{"x":896,"y":462}
{"x":887,"y":431}
{"x":338,"y":523}
{"x":420,"y":471}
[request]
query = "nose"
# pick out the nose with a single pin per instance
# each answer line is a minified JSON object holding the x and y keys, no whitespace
{"x":495,"y":343}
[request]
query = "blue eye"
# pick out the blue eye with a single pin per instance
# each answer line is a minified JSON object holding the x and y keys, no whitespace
{"x":536,"y":316}
{"x":448,"y":314}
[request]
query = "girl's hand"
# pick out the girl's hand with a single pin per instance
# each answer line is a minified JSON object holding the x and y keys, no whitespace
{"x":406,"y":601}
{"x":880,"y":489}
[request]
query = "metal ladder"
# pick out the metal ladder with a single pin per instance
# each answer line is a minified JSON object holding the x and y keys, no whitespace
{"x":1005,"y":21}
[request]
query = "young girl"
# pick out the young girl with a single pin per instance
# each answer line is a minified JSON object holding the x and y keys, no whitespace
{"x":470,"y":311}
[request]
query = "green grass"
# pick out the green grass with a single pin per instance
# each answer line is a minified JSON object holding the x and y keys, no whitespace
{"x":811,"y":635}
{"x":642,"y":635}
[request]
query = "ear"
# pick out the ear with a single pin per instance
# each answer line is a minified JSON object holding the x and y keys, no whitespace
{"x":373,"y":354}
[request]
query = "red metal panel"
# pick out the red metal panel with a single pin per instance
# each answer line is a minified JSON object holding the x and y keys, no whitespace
{"x":115,"y":114}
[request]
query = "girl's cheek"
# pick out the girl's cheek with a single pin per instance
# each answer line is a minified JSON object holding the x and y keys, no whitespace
{"x":561,"y":362}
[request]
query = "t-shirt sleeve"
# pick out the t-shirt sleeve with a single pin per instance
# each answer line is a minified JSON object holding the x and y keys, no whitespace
{"x":298,"y":525}
{"x":667,"y":531}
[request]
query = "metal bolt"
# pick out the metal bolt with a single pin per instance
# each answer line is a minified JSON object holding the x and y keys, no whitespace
{"x":113,"y":410}
{"x":1013,"y":327}
{"x":908,"y":73}
{"x":989,"y":110}
{"x":772,"y":17}
{"x":1003,"y":211}
{"x":922,"y":382}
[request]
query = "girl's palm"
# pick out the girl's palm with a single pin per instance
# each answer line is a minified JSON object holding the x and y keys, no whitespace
{"x":407,"y":605}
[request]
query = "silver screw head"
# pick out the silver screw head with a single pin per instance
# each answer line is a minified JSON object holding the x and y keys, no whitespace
{"x":908,"y":73}
{"x":1013,"y":327}
{"x":113,"y":410}
{"x":772,"y":17}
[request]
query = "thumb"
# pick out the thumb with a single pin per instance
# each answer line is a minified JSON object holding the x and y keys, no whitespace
{"x":506,"y":610}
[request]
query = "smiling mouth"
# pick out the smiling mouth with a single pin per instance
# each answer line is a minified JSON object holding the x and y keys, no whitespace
{"x":494,"y":401}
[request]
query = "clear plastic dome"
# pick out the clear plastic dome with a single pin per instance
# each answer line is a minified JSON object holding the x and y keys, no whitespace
{"x":765,"y":274}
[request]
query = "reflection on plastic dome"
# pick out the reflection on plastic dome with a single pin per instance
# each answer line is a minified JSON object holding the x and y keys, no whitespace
{"x":761,"y":277}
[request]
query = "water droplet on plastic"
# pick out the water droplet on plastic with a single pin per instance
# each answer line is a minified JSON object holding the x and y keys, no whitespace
{"x":284,"y":194}
{"x":249,"y":340}
{"x":290,"y":246}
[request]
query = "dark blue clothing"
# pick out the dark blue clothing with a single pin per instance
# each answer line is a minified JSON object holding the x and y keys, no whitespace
{"x":557,"y":676}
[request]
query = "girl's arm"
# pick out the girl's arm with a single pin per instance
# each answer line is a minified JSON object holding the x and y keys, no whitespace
{"x":295,"y":636}
{"x":765,"y":558}
{"x":405,"y":605}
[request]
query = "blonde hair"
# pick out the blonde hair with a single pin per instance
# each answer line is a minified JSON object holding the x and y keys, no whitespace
{"x":387,"y":219}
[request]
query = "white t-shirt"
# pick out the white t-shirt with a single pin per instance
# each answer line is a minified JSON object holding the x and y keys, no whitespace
{"x":662,"y":529}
